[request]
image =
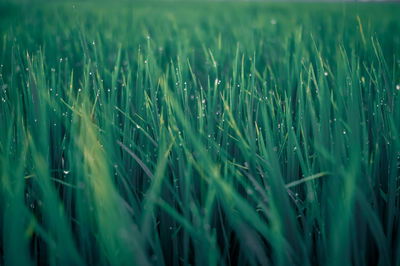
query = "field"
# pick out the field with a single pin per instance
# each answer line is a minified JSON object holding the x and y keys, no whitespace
{"x":201,"y":133}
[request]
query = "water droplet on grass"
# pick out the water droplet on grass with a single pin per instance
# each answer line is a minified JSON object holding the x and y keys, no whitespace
{"x":66,"y":172}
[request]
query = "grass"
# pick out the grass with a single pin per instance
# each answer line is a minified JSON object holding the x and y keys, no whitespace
{"x":178,"y":133}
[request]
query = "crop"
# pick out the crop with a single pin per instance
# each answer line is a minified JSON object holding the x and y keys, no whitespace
{"x":217,"y":133}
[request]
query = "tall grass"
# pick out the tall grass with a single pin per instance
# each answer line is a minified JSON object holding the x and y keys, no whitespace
{"x":203,"y":134}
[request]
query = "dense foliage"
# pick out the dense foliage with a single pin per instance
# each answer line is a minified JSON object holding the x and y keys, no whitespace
{"x":199,"y":133}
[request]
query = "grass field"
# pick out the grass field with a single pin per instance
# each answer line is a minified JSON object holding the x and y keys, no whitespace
{"x":177,"y":133}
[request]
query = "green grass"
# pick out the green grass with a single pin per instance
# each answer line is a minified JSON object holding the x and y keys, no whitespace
{"x":181,"y":133}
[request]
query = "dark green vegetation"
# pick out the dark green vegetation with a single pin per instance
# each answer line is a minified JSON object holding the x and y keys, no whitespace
{"x":207,"y":134}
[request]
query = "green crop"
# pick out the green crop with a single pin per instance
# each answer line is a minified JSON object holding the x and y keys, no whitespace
{"x":216,"y":133}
